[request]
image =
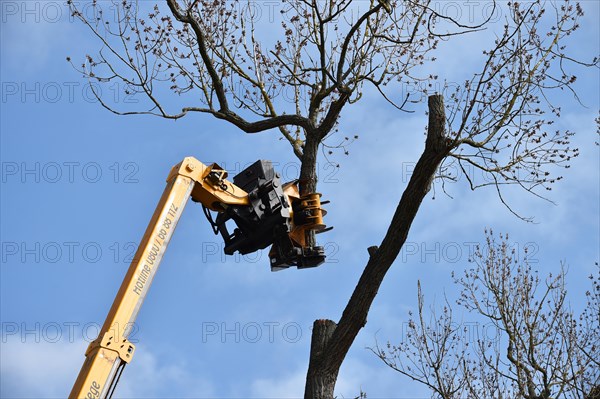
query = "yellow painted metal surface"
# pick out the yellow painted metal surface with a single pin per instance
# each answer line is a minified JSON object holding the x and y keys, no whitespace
{"x":213,"y":189}
{"x":105,"y":355}
{"x":97,"y":371}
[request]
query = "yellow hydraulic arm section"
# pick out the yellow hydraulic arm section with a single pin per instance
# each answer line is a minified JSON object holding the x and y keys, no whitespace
{"x":111,"y":351}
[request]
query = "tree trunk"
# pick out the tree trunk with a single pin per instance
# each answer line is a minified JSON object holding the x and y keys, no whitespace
{"x":308,"y":168}
{"x":330,"y":342}
{"x":308,"y":173}
{"x":322,"y":382}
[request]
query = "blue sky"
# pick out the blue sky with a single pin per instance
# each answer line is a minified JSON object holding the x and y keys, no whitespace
{"x":79,"y":185}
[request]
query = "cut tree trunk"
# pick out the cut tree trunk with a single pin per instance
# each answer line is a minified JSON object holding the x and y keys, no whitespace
{"x":330,"y":341}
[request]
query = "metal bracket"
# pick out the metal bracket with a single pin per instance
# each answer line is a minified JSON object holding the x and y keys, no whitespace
{"x":124,"y":348}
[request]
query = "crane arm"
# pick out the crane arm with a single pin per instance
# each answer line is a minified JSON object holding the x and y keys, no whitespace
{"x":269,"y":213}
{"x":111,"y":351}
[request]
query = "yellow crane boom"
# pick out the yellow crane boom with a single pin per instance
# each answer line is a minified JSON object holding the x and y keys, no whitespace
{"x":270,"y":213}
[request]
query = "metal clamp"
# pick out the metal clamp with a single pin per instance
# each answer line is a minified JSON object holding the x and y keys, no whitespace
{"x":308,"y":212}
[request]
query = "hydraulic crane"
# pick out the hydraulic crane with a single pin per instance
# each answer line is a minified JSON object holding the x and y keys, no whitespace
{"x":265,"y":212}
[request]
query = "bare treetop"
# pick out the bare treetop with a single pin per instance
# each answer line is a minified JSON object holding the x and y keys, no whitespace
{"x":501,"y":119}
{"x":317,"y":53}
{"x":294,"y":67}
{"x":539,"y":348}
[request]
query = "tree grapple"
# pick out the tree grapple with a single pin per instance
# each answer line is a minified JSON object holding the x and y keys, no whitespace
{"x":275,"y":215}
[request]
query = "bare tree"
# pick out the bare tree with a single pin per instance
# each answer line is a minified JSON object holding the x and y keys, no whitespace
{"x":218,"y":60}
{"x":539,"y":349}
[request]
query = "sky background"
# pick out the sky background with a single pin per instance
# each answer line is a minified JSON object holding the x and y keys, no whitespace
{"x":79,"y":185}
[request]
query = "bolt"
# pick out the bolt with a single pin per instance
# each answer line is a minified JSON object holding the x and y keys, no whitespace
{"x":190,"y":167}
